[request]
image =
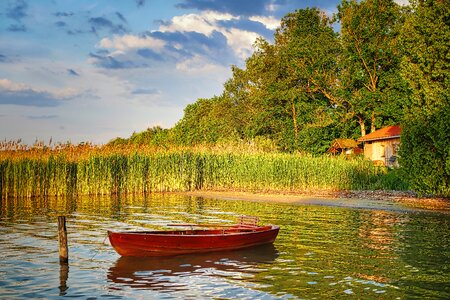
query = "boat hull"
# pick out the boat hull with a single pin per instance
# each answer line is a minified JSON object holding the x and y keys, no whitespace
{"x":169,"y":243}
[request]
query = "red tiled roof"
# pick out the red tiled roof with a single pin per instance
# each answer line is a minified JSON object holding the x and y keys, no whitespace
{"x":383,"y":133}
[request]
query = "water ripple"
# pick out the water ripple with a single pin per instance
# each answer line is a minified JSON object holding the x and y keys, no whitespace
{"x":321,"y":252}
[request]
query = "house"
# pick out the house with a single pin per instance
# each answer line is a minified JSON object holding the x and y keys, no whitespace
{"x":344,"y":146}
{"x":381,"y":146}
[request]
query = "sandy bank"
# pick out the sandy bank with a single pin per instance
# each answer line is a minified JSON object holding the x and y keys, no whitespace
{"x":378,"y":200}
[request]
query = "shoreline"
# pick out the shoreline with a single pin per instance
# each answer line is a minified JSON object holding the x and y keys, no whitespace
{"x":376,"y":200}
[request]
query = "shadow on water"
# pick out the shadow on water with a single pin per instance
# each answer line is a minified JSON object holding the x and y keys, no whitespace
{"x":158,"y":273}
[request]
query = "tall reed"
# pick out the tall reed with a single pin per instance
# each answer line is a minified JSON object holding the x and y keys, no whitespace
{"x":110,"y":172}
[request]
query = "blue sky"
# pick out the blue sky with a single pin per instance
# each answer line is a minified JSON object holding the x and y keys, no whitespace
{"x":91,"y":70}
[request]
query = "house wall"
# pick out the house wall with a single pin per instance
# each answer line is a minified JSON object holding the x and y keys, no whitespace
{"x":382,"y":152}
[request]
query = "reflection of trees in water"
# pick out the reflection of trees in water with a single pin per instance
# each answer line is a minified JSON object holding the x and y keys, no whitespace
{"x":377,"y":232}
{"x":425,"y":251}
{"x":378,"y":229}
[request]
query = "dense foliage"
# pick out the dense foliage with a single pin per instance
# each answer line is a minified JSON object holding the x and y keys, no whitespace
{"x":425,"y":150}
{"x":374,"y":91}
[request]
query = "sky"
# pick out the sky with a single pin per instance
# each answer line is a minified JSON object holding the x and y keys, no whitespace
{"x":94,"y":70}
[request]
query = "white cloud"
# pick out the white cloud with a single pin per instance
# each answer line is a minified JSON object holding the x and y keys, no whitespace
{"x":10,"y":86}
{"x":204,"y":23}
{"x":240,"y":41}
{"x":270,"y":22}
{"x":272,"y":7}
{"x":128,"y":42}
{"x":133,"y":51}
{"x":197,"y":65}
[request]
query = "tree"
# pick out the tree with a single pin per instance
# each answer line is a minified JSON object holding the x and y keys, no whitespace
{"x":287,"y":81}
{"x":284,"y":93}
{"x":425,"y":147}
{"x":373,"y":91}
{"x":206,"y":121}
{"x":152,"y":136}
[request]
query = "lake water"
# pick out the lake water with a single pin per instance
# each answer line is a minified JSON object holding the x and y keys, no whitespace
{"x":321,"y":252}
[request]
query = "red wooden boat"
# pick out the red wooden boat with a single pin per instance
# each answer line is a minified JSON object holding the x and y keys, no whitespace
{"x":175,"y":242}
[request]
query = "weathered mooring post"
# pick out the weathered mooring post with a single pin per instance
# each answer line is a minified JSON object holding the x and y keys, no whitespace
{"x":62,"y":235}
{"x":63,"y":277}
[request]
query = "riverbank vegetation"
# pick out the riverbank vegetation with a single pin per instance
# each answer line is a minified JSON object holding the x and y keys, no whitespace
{"x":375,"y":63}
{"x":90,"y":170}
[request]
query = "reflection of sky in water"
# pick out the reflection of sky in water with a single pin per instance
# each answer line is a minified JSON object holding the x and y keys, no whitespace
{"x":321,"y":252}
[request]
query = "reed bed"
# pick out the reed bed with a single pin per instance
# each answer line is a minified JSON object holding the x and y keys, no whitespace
{"x":103,"y":172}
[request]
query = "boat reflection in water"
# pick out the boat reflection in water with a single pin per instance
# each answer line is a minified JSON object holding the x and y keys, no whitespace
{"x":167,"y":274}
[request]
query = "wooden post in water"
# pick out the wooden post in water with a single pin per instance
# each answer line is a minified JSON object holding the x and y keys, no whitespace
{"x":63,"y":277}
{"x":62,"y":235}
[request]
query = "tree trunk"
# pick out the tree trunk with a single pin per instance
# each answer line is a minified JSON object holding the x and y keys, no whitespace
{"x":294,"y":120}
{"x":362,"y":126}
{"x":372,"y":124}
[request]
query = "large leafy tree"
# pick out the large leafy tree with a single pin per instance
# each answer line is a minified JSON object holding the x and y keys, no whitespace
{"x":425,"y":148}
{"x":287,"y":82}
{"x":373,"y":91}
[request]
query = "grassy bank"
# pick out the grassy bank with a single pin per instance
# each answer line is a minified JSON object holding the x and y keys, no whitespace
{"x":59,"y":174}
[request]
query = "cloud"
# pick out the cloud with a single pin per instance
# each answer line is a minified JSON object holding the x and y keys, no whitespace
{"x":187,"y":40}
{"x":127,"y":42}
{"x":197,"y":65}
{"x":140,"y":3}
{"x":21,"y":94}
{"x":239,"y":40}
{"x":28,"y":98}
{"x":63,"y":14}
{"x":72,"y":72}
{"x":234,"y":7}
{"x":121,"y":17}
{"x":269,"y":22}
{"x":107,"y":61}
{"x":148,"y":53}
{"x":128,"y":51}
{"x":17,"y":28}
{"x":146,"y":91}
{"x":190,"y":43}
{"x":44,"y":117}
{"x":17,"y":11}
{"x":205,"y":23}
{"x":259,"y":8}
{"x":248,"y":25}
{"x":100,"y":23}
{"x":60,"y":24}
{"x":170,"y":47}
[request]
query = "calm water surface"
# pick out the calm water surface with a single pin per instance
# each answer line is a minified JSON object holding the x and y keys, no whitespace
{"x":321,"y":252}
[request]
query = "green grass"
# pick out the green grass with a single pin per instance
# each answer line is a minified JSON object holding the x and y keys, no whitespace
{"x":185,"y":170}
